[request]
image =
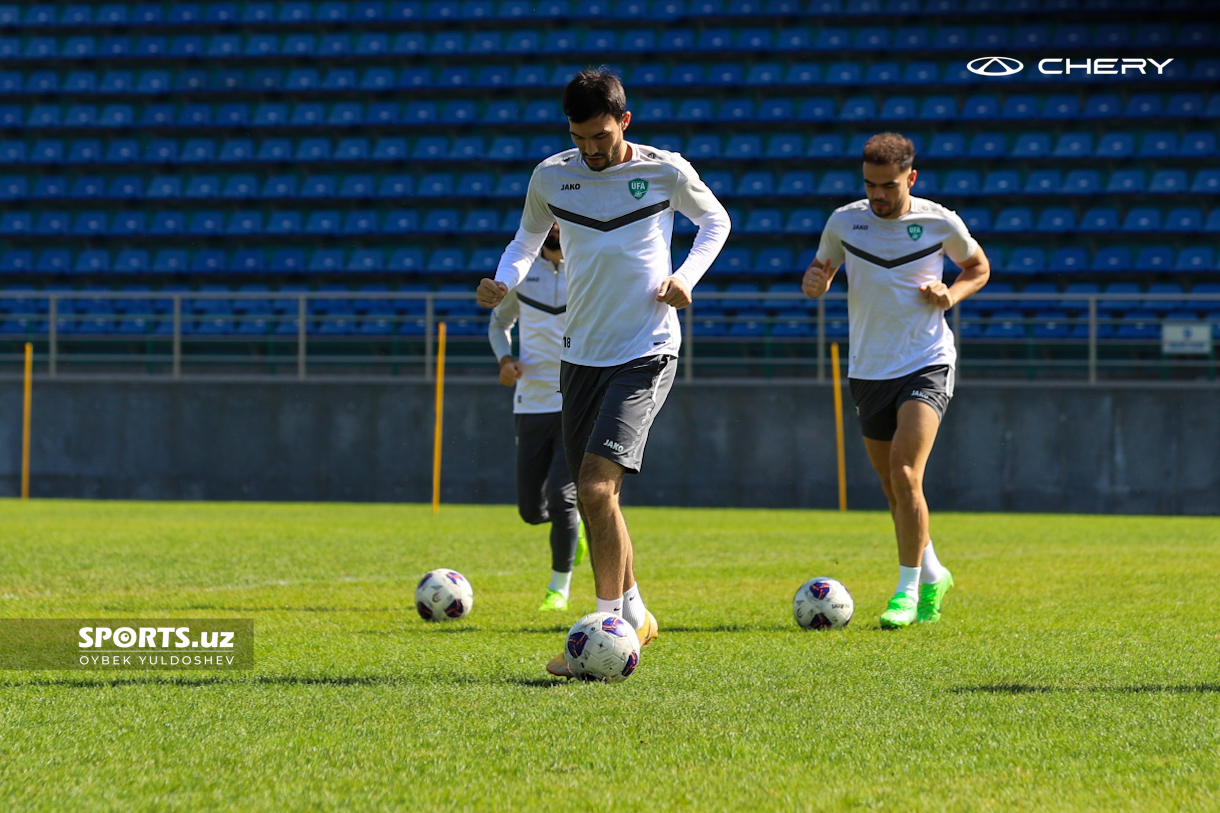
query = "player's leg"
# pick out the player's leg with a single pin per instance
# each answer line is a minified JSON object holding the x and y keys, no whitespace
{"x":533,"y":463}
{"x":561,"y":505}
{"x":902,"y":469}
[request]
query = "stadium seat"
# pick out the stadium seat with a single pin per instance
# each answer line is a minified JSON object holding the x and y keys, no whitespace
{"x":1074,"y":145}
{"x":1016,"y":219}
{"x":1026,"y":260}
{"x":1081,"y":182}
{"x":1112,"y":260}
{"x":1032,"y":145}
{"x":1126,"y":181}
{"x":1168,"y":181}
{"x":1154,"y":259}
{"x":1099,"y":219}
{"x":1142,"y":219}
{"x":1116,"y":145}
{"x":1196,"y":259}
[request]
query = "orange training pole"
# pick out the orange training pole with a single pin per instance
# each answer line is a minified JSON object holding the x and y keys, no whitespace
{"x":834,"y":366}
{"x":440,"y":413}
{"x":25,"y":423}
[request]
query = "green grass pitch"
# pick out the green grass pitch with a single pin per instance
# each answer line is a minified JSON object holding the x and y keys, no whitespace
{"x":1077,"y":666}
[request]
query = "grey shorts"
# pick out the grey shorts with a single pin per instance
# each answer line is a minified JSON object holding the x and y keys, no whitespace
{"x":877,"y":402}
{"x":607,"y":411}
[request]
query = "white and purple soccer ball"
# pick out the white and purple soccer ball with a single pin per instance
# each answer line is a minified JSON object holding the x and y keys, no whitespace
{"x":602,"y":646}
{"x":822,"y":604}
{"x":443,"y":595}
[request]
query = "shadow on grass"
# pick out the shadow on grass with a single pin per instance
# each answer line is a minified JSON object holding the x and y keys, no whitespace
{"x":1025,"y":688}
{"x":285,"y":609}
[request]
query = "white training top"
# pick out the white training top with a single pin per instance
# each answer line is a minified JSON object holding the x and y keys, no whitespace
{"x":540,"y":303}
{"x":893,"y":331}
{"x":615,"y":229}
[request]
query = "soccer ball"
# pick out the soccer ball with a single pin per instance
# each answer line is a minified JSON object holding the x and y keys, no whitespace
{"x":602,"y":646}
{"x":822,"y":604}
{"x":443,"y":594}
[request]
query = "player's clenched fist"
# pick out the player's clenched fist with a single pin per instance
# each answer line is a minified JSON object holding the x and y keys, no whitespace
{"x":490,"y":293}
{"x":817,"y":278}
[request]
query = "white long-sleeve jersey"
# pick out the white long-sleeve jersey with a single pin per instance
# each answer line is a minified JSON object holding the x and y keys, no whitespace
{"x":539,"y":307}
{"x":615,"y":229}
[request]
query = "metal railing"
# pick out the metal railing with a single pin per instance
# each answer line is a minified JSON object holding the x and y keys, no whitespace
{"x":767,"y":334}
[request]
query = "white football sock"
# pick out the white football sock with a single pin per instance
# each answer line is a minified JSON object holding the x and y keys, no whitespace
{"x":930,"y":569}
{"x":908,"y":582}
{"x":614,"y":606}
{"x":560,"y":582}
{"x":633,"y":607}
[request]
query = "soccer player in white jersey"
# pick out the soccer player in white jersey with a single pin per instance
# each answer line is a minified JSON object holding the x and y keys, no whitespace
{"x":615,"y":202}
{"x":545,"y":491}
{"x":901,"y":363}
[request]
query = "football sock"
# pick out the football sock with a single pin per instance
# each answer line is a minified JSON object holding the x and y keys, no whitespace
{"x":930,"y":570}
{"x":908,"y":581}
{"x":633,"y":607}
{"x":560,"y":582}
{"x":614,"y":606}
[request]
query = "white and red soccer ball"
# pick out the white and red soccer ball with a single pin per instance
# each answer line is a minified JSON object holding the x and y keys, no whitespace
{"x":443,"y":595}
{"x":821,"y":604}
{"x":602,"y":646}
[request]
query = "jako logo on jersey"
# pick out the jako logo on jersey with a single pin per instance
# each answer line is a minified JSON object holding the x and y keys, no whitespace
{"x":638,"y":187}
{"x":921,"y":394}
{"x":995,"y":66}
{"x":859,"y":226}
{"x":618,"y":447}
{"x":569,"y":186}
{"x":915,"y":231}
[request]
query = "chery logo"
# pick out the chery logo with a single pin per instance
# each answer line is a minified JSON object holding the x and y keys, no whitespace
{"x":1007,"y":66}
{"x":995,"y":66}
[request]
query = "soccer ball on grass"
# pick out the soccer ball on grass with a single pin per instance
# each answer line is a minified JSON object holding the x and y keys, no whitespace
{"x":821,"y":604}
{"x":442,"y":595}
{"x":602,"y":646}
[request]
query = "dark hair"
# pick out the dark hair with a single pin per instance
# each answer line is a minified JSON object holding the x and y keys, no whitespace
{"x":592,"y":93}
{"x":890,"y":148}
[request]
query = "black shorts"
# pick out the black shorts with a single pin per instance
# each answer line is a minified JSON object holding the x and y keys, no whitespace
{"x":877,"y":402}
{"x":607,"y":411}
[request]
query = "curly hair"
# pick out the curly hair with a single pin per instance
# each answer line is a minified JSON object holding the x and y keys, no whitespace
{"x":890,"y":148}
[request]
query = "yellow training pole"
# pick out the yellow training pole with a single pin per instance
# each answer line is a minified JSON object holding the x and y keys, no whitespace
{"x":834,"y":366}
{"x":25,"y":423}
{"x":440,"y":413}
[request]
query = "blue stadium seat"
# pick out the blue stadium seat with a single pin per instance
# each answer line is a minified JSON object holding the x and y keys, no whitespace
{"x":1142,"y":219}
{"x":784,"y":146}
{"x":817,"y":109}
{"x":1154,"y":259}
{"x":938,"y":108}
{"x":1014,"y":219}
{"x":206,"y":223}
{"x":128,"y":224}
{"x":1196,"y":259}
{"x":987,"y":145}
{"x":1061,"y":106}
{"x":1206,"y":181}
{"x":837,"y":183}
{"x":360,"y":222}
{"x":1102,"y":106}
{"x":1026,"y":260}
{"x":1068,"y":260}
{"x":1032,"y":145}
{"x":1144,"y":106}
{"x":88,"y":186}
{"x":1020,"y":107}
{"x":947,"y":145}
{"x":1074,"y":145}
{"x":1126,"y":181}
{"x":323,"y":222}
{"x":743,"y":147}
{"x":1184,"y":219}
{"x":1100,"y":219}
{"x":1112,"y":259}
{"x":244,"y":222}
{"x":90,"y":224}
{"x":50,"y":187}
{"x":203,"y":186}
{"x":279,"y":186}
{"x":1081,"y":182}
{"x":1116,"y":145}
{"x":283,"y":223}
{"x":961,"y":182}
{"x":1159,"y":144}
{"x":1166,"y":181}
{"x":51,"y":224}
{"x":795,"y":183}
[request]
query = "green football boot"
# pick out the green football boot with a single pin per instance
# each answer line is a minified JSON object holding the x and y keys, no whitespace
{"x":900,"y":612}
{"x":930,"y":597}
{"x":553,"y":602}
{"x":582,"y":545}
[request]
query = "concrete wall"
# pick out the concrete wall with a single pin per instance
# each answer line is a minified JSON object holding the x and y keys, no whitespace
{"x":1011,"y":447}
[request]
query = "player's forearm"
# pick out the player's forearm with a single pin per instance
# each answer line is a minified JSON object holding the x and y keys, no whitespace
{"x":971,"y":280}
{"x":518,"y":257}
{"x":714,"y":230}
{"x":500,"y":338}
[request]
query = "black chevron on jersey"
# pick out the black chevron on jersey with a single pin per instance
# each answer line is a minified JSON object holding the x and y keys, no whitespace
{"x":542,"y":306}
{"x":894,"y":263}
{"x":609,"y":225}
